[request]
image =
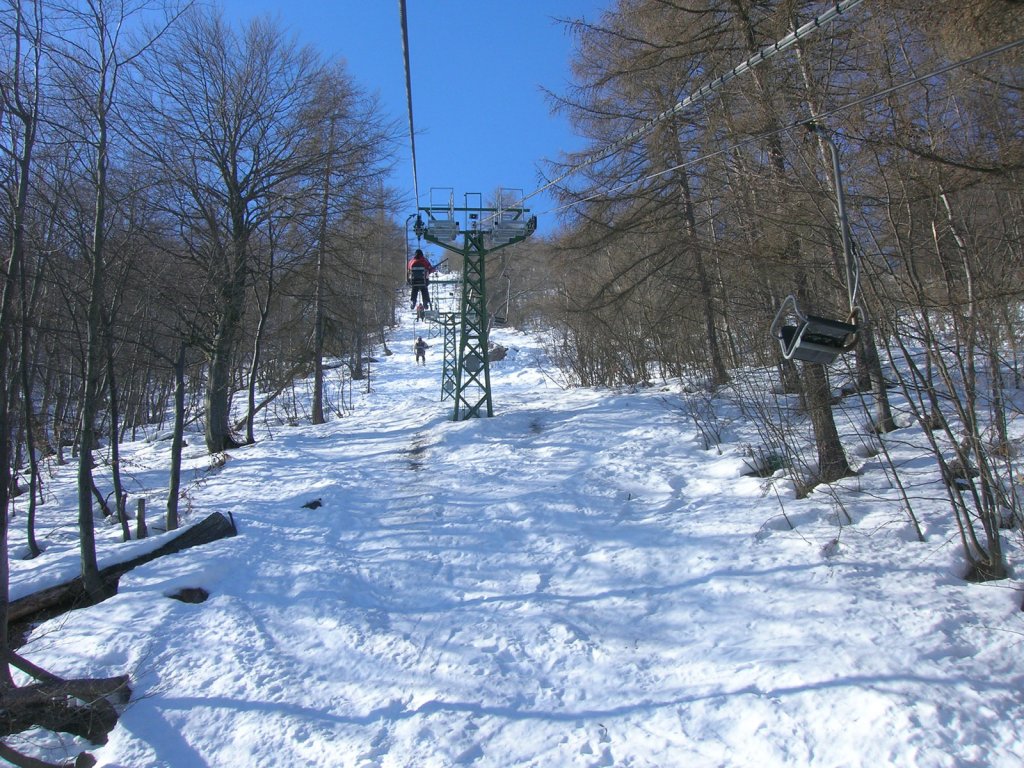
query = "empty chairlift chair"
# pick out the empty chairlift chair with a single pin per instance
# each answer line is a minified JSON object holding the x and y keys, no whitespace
{"x":811,"y":338}
{"x":442,"y":229}
{"x":509,"y":221}
{"x":441,"y":224}
{"x":508,"y":225}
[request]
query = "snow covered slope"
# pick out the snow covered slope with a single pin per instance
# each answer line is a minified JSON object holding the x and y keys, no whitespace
{"x":574,"y":582}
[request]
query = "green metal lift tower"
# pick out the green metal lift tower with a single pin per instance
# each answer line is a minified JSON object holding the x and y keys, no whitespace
{"x":483,"y":231}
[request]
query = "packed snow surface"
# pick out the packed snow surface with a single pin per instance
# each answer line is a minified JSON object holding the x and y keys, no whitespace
{"x":577,"y":581}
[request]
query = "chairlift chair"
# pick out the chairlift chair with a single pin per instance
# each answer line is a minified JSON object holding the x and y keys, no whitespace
{"x":441,"y":224}
{"x":507,"y":227}
{"x":442,"y":229}
{"x":812,"y":339}
{"x":508,"y":222}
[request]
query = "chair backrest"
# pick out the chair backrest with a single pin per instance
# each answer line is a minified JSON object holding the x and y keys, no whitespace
{"x":417,"y":275}
{"x":443,"y":229}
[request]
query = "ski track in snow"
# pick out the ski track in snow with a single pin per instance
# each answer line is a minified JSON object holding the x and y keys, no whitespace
{"x":574,"y":582}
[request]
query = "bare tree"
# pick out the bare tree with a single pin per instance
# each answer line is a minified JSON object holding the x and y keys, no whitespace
{"x":227,"y":129}
{"x":20,"y":101}
{"x":353,"y":144}
{"x":92,"y":53}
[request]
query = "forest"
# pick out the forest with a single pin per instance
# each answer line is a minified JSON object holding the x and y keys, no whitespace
{"x":196,"y":215}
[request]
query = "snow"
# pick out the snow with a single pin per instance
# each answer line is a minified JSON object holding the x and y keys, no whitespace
{"x":576,"y":581}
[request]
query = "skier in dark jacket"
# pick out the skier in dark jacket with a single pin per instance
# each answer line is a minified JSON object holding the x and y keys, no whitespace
{"x":421,"y":348}
{"x":420,"y":270}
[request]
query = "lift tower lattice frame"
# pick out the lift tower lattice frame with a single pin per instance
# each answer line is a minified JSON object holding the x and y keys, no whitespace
{"x":487,"y":230}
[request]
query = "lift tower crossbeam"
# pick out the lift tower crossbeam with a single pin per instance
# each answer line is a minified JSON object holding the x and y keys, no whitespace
{"x":487,"y":230}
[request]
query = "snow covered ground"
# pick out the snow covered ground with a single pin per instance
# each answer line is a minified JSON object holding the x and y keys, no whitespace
{"x":574,"y":582}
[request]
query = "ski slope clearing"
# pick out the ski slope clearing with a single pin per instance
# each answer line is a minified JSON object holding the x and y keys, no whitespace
{"x":574,"y":582}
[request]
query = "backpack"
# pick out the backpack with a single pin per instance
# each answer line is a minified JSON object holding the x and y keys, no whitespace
{"x":418,"y":275}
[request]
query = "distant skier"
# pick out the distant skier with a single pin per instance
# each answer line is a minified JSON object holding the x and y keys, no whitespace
{"x":421,"y":348}
{"x":420,"y":270}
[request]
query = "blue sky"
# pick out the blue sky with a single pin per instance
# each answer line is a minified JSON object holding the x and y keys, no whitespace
{"x":477,"y":66}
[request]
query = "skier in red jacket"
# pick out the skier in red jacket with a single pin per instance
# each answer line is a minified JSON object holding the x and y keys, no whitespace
{"x":419,"y":271}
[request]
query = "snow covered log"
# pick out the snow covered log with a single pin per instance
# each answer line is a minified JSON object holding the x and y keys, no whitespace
{"x":72,"y":594}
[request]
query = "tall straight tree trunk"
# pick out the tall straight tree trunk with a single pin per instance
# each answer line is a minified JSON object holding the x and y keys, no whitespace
{"x":26,"y":368}
{"x":9,"y":275}
{"x":261,"y":326}
{"x":34,"y":430}
{"x":718,"y":370}
{"x":6,"y":681}
{"x":93,"y":371}
{"x":101,"y":65}
{"x":254,"y":364}
{"x":114,"y":432}
{"x":318,"y":293}
{"x":869,"y":362}
{"x":884,"y":421}
{"x":177,"y":439}
{"x":318,"y":347}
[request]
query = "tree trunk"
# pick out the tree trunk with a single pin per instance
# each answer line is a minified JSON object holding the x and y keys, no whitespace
{"x":94,"y":349}
{"x":254,"y":362}
{"x":23,"y":108}
{"x":356,"y":370}
{"x":218,"y":384}
{"x":87,"y":432}
{"x":232,"y":296}
{"x":318,"y":293}
{"x":34,"y":480}
{"x":832,"y":462}
{"x":719,"y":373}
{"x":177,"y":440}
{"x":114,"y":433}
{"x":884,"y":420}
{"x":5,"y":479}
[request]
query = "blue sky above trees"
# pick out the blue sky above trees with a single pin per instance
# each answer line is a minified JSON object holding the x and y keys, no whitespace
{"x":478,"y":74}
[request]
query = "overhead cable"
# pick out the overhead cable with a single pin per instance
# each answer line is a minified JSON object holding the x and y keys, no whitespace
{"x":408,"y":96}
{"x":873,"y":96}
{"x":840,"y":7}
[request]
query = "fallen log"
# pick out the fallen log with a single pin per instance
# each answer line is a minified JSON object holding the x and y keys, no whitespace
{"x":72,"y":594}
{"x":86,"y":690}
{"x":12,"y":756}
{"x":80,"y":707}
{"x":67,"y":596}
{"x":84,"y":707}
